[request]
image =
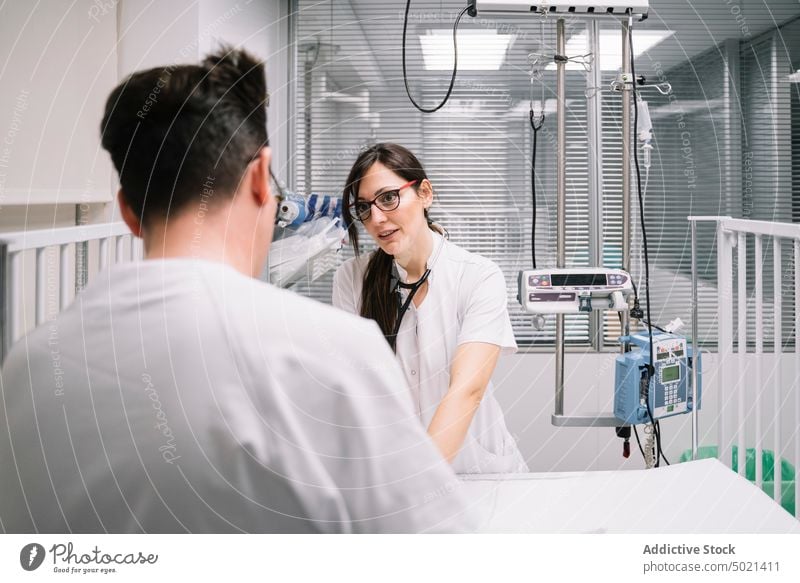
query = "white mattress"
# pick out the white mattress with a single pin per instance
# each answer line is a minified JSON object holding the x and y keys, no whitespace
{"x":702,"y":496}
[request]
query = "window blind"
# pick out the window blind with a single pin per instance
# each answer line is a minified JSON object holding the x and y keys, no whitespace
{"x":724,"y":140}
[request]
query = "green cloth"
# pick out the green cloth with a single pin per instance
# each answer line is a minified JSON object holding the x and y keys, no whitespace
{"x":768,"y":464}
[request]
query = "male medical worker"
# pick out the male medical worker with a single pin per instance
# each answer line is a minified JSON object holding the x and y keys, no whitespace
{"x":181,"y":394}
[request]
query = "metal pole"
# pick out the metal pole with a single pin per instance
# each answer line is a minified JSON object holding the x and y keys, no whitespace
{"x":695,"y":341}
{"x":626,"y":160}
{"x":595,"y":159}
{"x":561,"y":199}
{"x":626,"y":150}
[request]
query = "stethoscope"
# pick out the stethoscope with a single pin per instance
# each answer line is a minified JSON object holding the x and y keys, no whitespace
{"x":397,"y":285}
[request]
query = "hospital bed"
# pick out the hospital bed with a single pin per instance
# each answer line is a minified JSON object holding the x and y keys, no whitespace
{"x":40,"y":272}
{"x":702,"y":496}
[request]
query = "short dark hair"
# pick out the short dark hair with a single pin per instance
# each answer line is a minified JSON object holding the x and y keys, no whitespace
{"x":175,"y":132}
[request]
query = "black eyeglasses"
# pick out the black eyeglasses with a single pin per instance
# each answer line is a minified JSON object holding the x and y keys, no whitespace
{"x":281,"y":193}
{"x":386,"y":201}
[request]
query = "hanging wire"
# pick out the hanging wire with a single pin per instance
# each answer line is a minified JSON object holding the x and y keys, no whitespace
{"x":536,"y":123}
{"x":455,"y":62}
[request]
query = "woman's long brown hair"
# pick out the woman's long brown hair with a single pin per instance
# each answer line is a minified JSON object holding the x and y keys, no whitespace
{"x":378,"y":300}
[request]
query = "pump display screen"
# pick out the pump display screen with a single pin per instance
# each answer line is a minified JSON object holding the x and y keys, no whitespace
{"x":578,"y":279}
{"x":670,"y":373}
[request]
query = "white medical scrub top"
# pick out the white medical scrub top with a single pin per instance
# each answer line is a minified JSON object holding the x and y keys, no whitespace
{"x":178,"y":395}
{"x":466,"y":302}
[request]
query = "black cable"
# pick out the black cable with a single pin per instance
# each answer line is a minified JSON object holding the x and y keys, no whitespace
{"x":647,"y":403}
{"x":535,"y":127}
{"x":638,"y":442}
{"x":650,"y":368}
{"x":662,"y":452}
{"x":403,"y":307}
{"x":659,"y":328}
{"x":656,"y":432}
{"x":641,"y":197}
{"x":455,"y":62}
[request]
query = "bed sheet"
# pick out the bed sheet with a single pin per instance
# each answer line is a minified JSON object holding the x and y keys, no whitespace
{"x":702,"y":496}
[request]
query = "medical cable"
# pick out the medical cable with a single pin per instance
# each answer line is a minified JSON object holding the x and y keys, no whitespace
{"x":659,"y":328}
{"x":650,"y":367}
{"x":455,"y":62}
{"x":644,"y":195}
{"x":658,"y":423}
{"x":414,"y":287}
{"x":536,"y":124}
{"x":638,"y":441}
{"x":647,"y":158}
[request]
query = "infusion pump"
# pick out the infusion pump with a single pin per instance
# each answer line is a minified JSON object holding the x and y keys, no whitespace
{"x":574,"y":290}
{"x":638,"y":395}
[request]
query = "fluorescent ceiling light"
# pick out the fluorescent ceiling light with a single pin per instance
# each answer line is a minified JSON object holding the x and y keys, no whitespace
{"x":478,"y":50}
{"x":611,"y":47}
{"x":686,"y":107}
{"x":550,"y":106}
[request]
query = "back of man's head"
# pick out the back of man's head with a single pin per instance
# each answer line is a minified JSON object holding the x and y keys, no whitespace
{"x":172,"y":130}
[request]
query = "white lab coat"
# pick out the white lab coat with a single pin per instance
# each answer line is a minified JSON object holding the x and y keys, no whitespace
{"x":466,"y":302}
{"x":179,"y":395}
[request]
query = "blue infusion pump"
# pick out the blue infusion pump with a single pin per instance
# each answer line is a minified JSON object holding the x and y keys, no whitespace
{"x":669,"y":391}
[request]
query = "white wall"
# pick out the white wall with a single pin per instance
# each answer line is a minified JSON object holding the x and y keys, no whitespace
{"x":152,"y":34}
{"x":524,"y":385}
{"x":183,"y":31}
{"x":58,"y":65}
{"x":61,"y":61}
{"x":263,"y":29}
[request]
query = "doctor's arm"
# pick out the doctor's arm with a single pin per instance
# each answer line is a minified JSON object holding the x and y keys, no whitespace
{"x":470,"y":372}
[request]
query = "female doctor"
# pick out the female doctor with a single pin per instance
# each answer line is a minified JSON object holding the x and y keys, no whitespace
{"x":440,"y":307}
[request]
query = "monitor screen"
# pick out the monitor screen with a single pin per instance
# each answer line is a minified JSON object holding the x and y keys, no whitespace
{"x":578,"y":279}
{"x":670,"y":373}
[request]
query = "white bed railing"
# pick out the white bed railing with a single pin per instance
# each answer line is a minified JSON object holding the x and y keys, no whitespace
{"x":751,"y":400}
{"x":72,"y":273}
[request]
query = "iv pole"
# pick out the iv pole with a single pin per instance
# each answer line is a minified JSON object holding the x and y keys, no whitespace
{"x":561,"y":199}
{"x":582,"y":9}
{"x":601,"y":419}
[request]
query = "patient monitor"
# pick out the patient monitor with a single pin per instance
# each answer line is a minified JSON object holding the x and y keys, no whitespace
{"x":574,"y":290}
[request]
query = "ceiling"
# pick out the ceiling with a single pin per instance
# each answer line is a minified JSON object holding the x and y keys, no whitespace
{"x":363,"y":37}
